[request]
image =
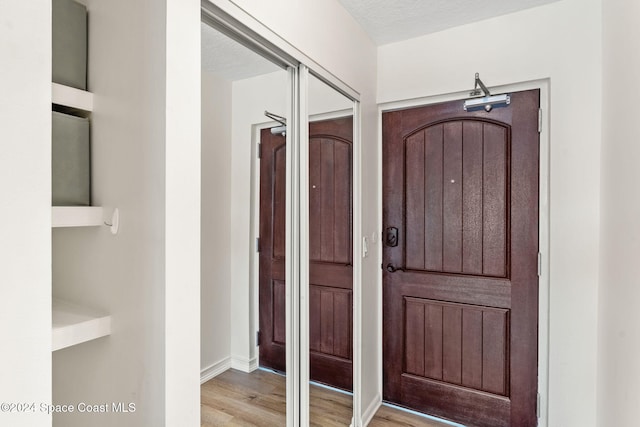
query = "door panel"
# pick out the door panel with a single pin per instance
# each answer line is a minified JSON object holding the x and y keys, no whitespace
{"x":456,"y":198}
{"x":278,"y":187}
{"x":331,"y":273}
{"x":461,"y":286}
{"x":272,"y":289}
{"x":443,"y":340}
{"x":329,"y":199}
{"x":330,"y":247}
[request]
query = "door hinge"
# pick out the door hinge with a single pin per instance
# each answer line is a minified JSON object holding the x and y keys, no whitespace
{"x":539,"y":264}
{"x":257,"y":244}
{"x":539,"y":120}
{"x":259,"y":150}
{"x":538,"y":405}
{"x":258,"y":337}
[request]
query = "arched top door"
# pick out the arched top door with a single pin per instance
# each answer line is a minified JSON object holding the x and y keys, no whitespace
{"x":456,"y":181}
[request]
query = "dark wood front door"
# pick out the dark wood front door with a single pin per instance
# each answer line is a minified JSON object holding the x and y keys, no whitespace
{"x":330,"y":248}
{"x":460,"y":280}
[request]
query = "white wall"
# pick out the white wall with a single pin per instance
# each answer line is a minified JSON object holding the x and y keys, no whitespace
{"x":182,"y":205}
{"x":216,"y":287}
{"x":251,"y":97}
{"x":144,"y":70}
{"x":619,"y":318}
{"x":561,"y":42}
{"x":324,"y":100}
{"x":345,"y":50}
{"x":25,"y":217}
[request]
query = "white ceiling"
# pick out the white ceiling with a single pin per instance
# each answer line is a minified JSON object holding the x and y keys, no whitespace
{"x":388,"y":21}
{"x":385,"y":21}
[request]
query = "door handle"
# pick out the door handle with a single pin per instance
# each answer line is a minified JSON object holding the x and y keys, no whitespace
{"x":391,"y":237}
{"x":392,"y":268}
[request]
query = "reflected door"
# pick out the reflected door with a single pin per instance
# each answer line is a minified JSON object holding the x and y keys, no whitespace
{"x":330,"y":247}
{"x":460,"y":261}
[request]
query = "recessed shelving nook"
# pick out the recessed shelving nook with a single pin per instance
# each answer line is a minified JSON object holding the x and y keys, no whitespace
{"x":74,"y":324}
{"x":72,"y":108}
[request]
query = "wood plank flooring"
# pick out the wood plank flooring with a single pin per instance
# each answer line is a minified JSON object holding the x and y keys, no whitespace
{"x":238,"y":399}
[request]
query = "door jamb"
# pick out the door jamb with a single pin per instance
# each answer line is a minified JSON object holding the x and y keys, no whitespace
{"x":544,"y":233}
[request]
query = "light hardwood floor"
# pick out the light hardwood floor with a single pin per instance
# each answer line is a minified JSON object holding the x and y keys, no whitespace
{"x":235,"y":398}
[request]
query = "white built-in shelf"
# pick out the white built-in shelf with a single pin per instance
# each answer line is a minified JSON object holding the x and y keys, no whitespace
{"x":76,"y":216}
{"x":73,"y":324}
{"x":71,"y":97}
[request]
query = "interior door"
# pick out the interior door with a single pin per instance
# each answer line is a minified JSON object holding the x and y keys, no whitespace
{"x":272,"y":315}
{"x":330,"y":247}
{"x":460,"y":280}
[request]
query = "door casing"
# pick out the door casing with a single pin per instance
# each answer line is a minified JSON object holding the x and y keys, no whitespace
{"x":544,"y":230}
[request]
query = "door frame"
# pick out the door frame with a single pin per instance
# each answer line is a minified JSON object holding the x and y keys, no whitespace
{"x":544,"y":229}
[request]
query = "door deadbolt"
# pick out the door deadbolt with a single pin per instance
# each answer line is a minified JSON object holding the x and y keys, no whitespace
{"x":391,"y":237}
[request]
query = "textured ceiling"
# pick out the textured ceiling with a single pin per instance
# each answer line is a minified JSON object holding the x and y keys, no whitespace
{"x":388,"y":21}
{"x":229,"y":59}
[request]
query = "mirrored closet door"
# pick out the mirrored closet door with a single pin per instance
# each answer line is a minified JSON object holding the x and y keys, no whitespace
{"x":277,"y":232}
{"x":330,"y":254}
{"x":243,"y":245}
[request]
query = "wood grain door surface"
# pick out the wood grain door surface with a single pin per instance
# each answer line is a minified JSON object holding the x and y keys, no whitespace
{"x":460,"y":280}
{"x":330,"y":248}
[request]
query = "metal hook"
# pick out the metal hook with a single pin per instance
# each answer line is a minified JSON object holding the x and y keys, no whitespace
{"x":115,"y":221}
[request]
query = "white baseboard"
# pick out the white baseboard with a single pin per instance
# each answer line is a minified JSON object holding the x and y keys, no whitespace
{"x":214,"y":370}
{"x":243,"y":364}
{"x":371,"y":410}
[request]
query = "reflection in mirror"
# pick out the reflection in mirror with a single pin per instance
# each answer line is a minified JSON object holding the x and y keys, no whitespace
{"x":242,"y":199}
{"x":330,"y":255}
